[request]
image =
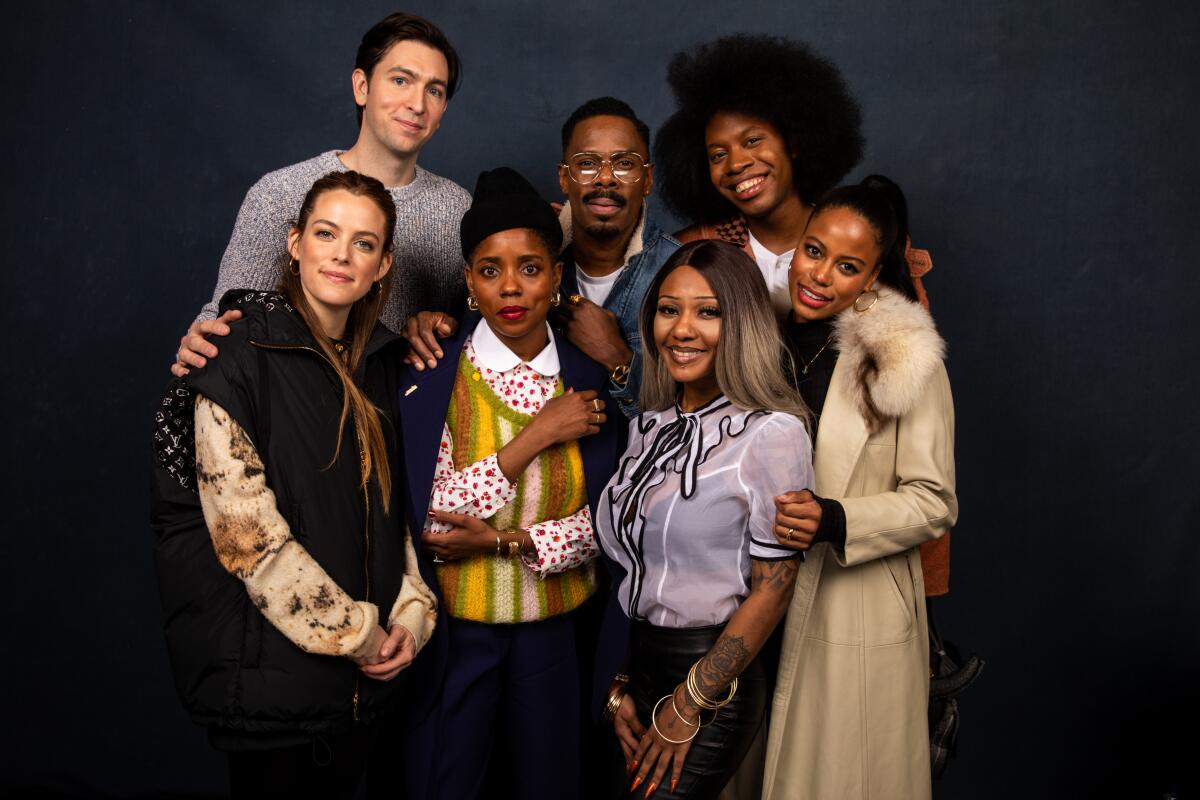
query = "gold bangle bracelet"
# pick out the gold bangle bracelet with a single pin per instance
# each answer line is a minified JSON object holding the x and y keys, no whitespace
{"x":698,"y":697}
{"x":654,"y":724}
{"x":683,"y":719}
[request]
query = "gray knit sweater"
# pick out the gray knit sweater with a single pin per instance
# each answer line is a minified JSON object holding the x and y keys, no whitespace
{"x":427,"y":266}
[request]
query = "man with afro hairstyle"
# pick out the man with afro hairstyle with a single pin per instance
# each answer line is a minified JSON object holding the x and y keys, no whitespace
{"x":764,"y":127}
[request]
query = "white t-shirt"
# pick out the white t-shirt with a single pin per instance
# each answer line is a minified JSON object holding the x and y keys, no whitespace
{"x":774,"y":269}
{"x":596,"y":289}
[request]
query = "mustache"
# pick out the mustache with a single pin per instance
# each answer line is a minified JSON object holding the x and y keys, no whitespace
{"x":604,"y":194}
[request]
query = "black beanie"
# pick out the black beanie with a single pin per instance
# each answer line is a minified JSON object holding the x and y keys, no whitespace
{"x":504,"y":200}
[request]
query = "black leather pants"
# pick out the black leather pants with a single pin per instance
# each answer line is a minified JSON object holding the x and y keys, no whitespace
{"x":659,"y":661}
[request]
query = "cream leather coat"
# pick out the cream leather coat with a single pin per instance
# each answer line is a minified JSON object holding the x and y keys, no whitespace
{"x":849,"y":714}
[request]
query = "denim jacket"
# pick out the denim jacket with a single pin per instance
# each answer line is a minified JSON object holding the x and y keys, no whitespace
{"x":648,"y":248}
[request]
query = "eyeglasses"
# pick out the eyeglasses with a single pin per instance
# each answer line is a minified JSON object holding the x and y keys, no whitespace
{"x":586,"y":167}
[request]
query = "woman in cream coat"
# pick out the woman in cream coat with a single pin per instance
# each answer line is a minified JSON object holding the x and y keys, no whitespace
{"x":849,"y":713}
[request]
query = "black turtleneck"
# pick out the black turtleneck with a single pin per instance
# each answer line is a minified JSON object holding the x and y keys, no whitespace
{"x":805,"y":341}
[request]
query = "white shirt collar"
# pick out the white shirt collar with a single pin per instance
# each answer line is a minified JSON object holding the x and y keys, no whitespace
{"x":493,"y":353}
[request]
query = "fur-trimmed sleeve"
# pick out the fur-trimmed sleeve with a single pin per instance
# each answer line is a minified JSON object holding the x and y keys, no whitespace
{"x":253,"y":543}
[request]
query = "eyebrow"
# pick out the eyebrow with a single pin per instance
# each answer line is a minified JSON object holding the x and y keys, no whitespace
{"x":523,"y":257}
{"x":415,"y":75}
{"x":333,"y":224}
{"x":696,"y":297}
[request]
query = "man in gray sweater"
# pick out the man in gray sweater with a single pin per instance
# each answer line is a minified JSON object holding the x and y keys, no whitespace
{"x":404,"y":76}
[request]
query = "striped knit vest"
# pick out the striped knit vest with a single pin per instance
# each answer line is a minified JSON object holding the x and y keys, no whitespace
{"x":498,"y":589}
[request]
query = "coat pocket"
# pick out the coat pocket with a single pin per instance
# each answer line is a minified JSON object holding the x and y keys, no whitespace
{"x":889,"y":613}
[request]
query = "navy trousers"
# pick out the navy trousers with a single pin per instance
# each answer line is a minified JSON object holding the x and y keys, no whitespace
{"x":509,"y":700}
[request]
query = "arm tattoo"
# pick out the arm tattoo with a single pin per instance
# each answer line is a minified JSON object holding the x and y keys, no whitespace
{"x":724,"y":662}
{"x":778,"y":577}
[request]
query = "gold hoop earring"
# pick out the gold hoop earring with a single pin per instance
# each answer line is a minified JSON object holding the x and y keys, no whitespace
{"x":472,"y":303}
{"x":556,"y":298}
{"x":874,"y":298}
{"x":294,"y":267}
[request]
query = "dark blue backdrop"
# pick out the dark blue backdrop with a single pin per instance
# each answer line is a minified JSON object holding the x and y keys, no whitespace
{"x":1049,"y":154}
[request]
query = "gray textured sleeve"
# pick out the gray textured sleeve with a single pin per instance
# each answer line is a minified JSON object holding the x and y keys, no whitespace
{"x":251,"y":259}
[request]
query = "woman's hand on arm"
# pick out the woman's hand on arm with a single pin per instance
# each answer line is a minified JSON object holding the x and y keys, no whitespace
{"x":797,"y":519}
{"x":468,"y":536}
{"x":771,"y":586}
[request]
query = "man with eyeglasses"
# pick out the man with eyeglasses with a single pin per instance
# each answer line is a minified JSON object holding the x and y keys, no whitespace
{"x":613,"y":248}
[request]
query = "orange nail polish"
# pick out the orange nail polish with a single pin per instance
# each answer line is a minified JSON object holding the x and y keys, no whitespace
{"x":636,"y":782}
{"x":650,"y":789}
{"x":674,"y":781}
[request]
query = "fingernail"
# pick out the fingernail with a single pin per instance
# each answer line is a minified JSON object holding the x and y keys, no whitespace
{"x":431,"y":362}
{"x":432,"y":514}
{"x":437,"y":353}
{"x":674,"y":781}
{"x":636,"y":782}
{"x":629,"y":767}
{"x":634,"y":765}
{"x":650,"y":789}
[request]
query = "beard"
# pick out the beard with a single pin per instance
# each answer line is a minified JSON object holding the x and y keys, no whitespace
{"x":602,"y":230}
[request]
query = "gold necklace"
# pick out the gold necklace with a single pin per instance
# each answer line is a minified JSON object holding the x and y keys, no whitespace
{"x":813,"y":360}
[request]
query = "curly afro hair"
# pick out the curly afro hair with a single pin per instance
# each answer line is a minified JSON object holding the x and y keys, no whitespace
{"x":778,"y":80}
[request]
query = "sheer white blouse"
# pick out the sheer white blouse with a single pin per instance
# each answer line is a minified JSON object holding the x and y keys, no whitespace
{"x":693,"y":503}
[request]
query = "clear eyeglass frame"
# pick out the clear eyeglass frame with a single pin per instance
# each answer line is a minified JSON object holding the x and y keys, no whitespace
{"x":622,"y":175}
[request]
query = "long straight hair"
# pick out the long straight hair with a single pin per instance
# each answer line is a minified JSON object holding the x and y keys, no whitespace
{"x":364,"y":313}
{"x":750,"y":352}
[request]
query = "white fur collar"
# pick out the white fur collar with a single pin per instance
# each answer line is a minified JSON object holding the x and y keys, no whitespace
{"x":635,"y":241}
{"x":890,"y":353}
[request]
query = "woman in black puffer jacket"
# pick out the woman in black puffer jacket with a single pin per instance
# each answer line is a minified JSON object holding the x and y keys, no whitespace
{"x":280,"y":543}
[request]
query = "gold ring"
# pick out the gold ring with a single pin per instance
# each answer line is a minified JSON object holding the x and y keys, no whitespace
{"x":596,"y":404}
{"x":789,"y":533}
{"x":597,"y":422}
{"x":575,"y":299}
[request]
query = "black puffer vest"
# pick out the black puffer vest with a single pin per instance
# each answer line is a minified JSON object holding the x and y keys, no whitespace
{"x":235,"y":671}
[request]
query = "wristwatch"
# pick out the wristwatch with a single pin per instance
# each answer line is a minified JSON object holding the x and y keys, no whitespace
{"x":619,"y":375}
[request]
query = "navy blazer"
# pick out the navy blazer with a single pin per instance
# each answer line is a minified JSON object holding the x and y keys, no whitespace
{"x":424,"y":402}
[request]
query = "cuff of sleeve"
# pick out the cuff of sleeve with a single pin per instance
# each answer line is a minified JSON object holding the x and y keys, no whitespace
{"x":538,"y":562}
{"x":506,"y":490}
{"x":832,"y":528}
{"x":416,"y":609}
{"x":359,"y":645}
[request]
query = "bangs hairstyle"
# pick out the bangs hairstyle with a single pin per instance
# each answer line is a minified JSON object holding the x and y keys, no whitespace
{"x":401,"y":27}
{"x":777,"y":80}
{"x":750,"y":352}
{"x":368,"y":426}
{"x":881,"y":203}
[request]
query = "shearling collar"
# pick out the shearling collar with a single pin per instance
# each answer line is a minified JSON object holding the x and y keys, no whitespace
{"x":636,"y":245}
{"x":890,"y":352}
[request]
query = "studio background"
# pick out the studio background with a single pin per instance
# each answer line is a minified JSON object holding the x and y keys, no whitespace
{"x":1049,"y":154}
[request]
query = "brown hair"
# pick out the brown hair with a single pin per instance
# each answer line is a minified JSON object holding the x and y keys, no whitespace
{"x":363,"y":316}
{"x":400,"y":27}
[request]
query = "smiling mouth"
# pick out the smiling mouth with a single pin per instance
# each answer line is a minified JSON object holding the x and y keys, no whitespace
{"x":810,"y":298}
{"x":749,"y":187}
{"x":415,"y":127}
{"x":684,"y":355}
{"x":336,"y":277}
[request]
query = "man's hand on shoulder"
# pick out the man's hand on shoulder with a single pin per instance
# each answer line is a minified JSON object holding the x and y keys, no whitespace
{"x":595,"y":331}
{"x":422,"y":333}
{"x":194,"y":347}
